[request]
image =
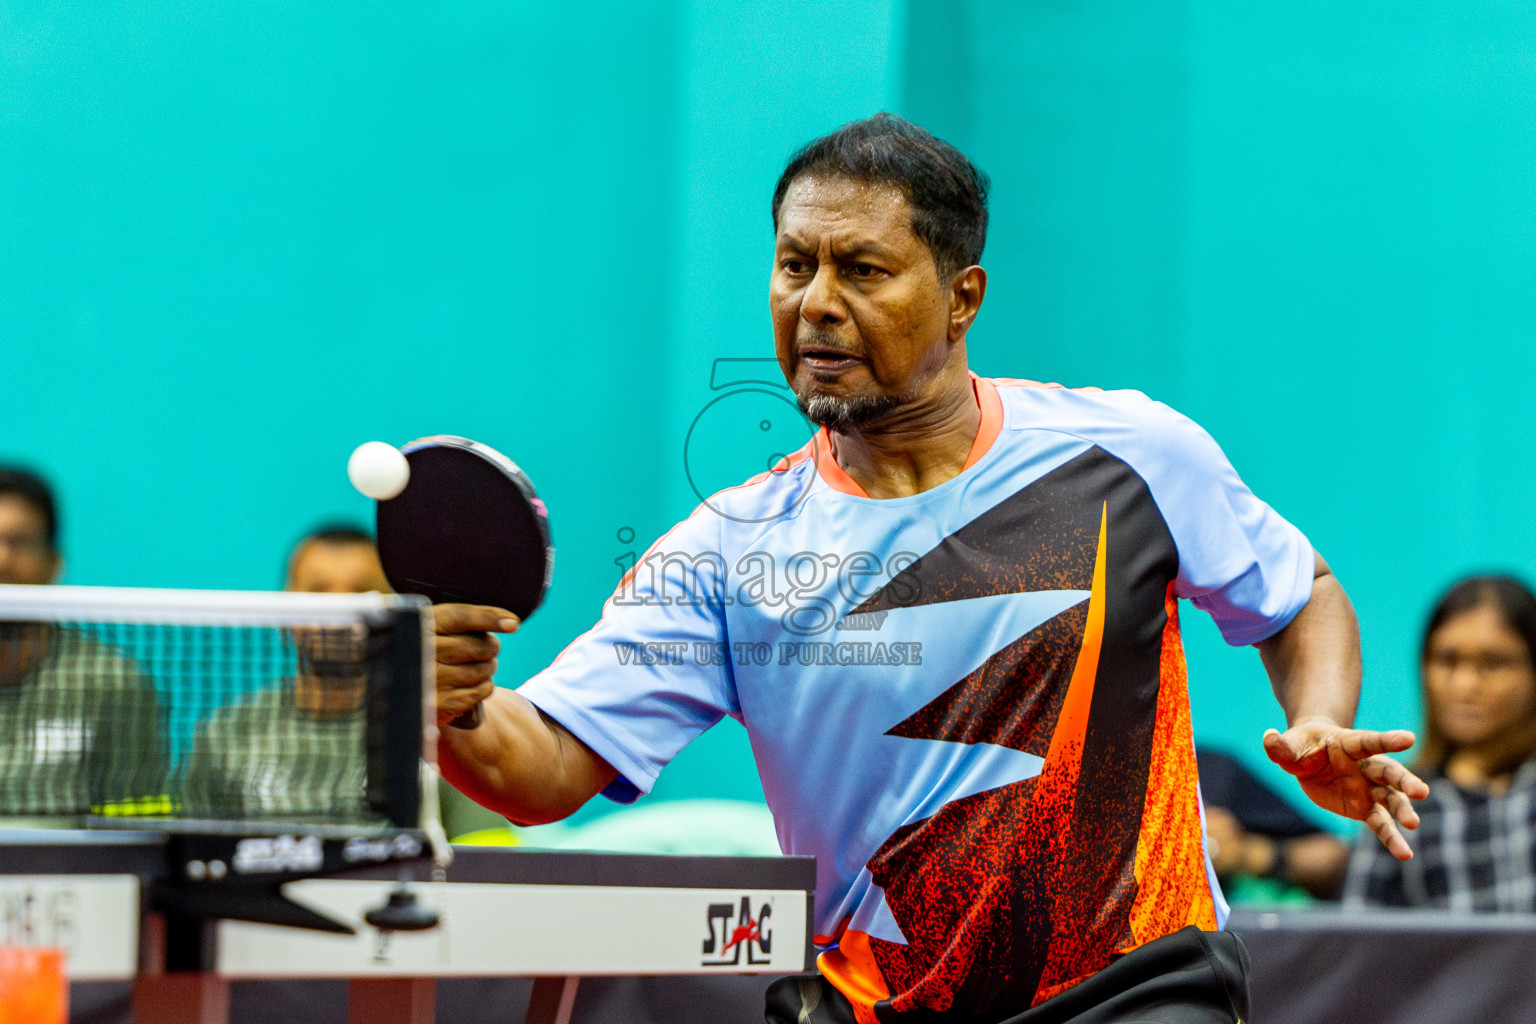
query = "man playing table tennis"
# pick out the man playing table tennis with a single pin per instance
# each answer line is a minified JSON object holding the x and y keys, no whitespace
{"x":949,"y":625}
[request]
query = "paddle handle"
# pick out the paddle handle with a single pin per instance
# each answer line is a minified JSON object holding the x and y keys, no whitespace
{"x":470,"y":719}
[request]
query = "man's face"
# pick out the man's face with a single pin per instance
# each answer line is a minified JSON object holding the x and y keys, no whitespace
{"x":322,"y":568}
{"x":335,"y":676}
{"x":25,"y":556}
{"x":860,"y":317}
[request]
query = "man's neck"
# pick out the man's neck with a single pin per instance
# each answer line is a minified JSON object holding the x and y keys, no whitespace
{"x":917,"y":448}
{"x":329,"y":699}
{"x":23,"y":646}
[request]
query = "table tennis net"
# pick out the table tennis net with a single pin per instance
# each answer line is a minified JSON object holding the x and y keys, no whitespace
{"x":206,"y":707}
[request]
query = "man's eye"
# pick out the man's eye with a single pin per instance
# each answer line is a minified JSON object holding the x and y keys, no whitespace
{"x":863,"y":270}
{"x":795,"y":266}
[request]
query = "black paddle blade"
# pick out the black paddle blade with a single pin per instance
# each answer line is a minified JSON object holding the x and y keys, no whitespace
{"x":468,"y":528}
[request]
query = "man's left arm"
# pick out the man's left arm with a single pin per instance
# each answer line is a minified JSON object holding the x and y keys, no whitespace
{"x":1314,"y":666}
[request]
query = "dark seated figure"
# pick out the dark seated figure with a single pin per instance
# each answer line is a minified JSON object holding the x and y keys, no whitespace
{"x":1474,"y":849}
{"x":80,"y":725}
{"x":296,"y":751}
{"x":293,"y":752}
{"x":1263,"y":850}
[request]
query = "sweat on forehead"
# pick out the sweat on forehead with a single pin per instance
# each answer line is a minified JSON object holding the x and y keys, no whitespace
{"x":840,"y":189}
{"x":946,"y":193}
{"x":829,"y":201}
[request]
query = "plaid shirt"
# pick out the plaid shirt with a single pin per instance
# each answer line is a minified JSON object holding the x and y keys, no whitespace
{"x":80,"y":732}
{"x":1471,"y":852}
{"x":264,"y":758}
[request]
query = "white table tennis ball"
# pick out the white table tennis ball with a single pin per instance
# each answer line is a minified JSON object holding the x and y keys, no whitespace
{"x":379,"y":470}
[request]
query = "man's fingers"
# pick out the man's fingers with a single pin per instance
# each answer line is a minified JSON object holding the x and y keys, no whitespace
{"x":1384,"y":771}
{"x":1399,"y":805}
{"x":457,"y":677}
{"x":473,"y":618}
{"x":462,"y":648}
{"x":453,"y":703}
{"x":1380,"y":821}
{"x":1292,"y":751}
{"x":1277,"y":749}
{"x":466,"y":654}
{"x":1362,"y":743}
{"x":463,"y":698}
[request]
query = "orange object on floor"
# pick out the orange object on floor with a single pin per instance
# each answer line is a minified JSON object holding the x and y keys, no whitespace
{"x":33,"y":989}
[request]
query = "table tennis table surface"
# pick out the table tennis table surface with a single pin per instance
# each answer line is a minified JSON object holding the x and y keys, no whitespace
{"x":506,"y":911}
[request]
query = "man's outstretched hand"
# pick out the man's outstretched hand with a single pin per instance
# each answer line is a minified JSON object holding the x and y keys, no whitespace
{"x":1346,"y":771}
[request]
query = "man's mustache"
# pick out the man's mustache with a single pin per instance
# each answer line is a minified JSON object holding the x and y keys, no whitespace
{"x":822,"y":340}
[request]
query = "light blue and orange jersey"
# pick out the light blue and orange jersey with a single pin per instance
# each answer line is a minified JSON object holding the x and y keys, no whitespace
{"x":969,"y":704}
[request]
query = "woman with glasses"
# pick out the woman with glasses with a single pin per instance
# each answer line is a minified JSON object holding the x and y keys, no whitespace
{"x":1475,"y":848}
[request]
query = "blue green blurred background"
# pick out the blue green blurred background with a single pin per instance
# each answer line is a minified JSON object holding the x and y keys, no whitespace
{"x":238,"y":239}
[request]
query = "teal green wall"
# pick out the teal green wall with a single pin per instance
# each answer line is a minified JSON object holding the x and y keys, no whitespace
{"x":236,"y":241}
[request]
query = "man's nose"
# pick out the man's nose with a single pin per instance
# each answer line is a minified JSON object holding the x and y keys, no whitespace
{"x":822,"y":304}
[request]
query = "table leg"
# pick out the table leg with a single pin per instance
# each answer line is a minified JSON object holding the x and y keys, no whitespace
{"x":392,"y":1001}
{"x":552,"y":1001}
{"x":181,"y":997}
{"x":162,"y":996}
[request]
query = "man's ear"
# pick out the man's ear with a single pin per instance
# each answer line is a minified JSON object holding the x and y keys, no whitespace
{"x":58,"y":568}
{"x":967,"y":289}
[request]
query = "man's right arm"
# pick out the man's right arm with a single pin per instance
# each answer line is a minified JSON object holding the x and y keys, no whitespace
{"x":519,"y":762}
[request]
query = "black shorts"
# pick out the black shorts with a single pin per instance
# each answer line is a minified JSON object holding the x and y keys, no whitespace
{"x":1189,"y":977}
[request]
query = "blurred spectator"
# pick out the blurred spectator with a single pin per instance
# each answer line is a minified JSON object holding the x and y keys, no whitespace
{"x":1263,"y":850}
{"x":80,"y":726}
{"x":296,"y":750}
{"x":1473,"y":848}
{"x":335,"y":560}
{"x":29,"y":529}
{"x":244,"y":762}
{"x":342,"y":559}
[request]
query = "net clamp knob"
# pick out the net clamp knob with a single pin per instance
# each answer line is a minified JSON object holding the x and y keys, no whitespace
{"x":403,"y":912}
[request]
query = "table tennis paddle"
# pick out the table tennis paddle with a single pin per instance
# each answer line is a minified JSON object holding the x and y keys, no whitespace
{"x":468,"y":528}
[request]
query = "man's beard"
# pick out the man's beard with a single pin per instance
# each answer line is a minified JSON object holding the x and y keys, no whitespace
{"x":332,"y":654}
{"x":837,"y":413}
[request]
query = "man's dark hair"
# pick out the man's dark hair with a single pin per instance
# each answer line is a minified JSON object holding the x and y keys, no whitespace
{"x":33,"y":490}
{"x":338,"y":533}
{"x":947,"y":193}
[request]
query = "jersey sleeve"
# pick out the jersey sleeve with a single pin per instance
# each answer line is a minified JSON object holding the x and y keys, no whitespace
{"x":1239,"y":560}
{"x":651,"y":675}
